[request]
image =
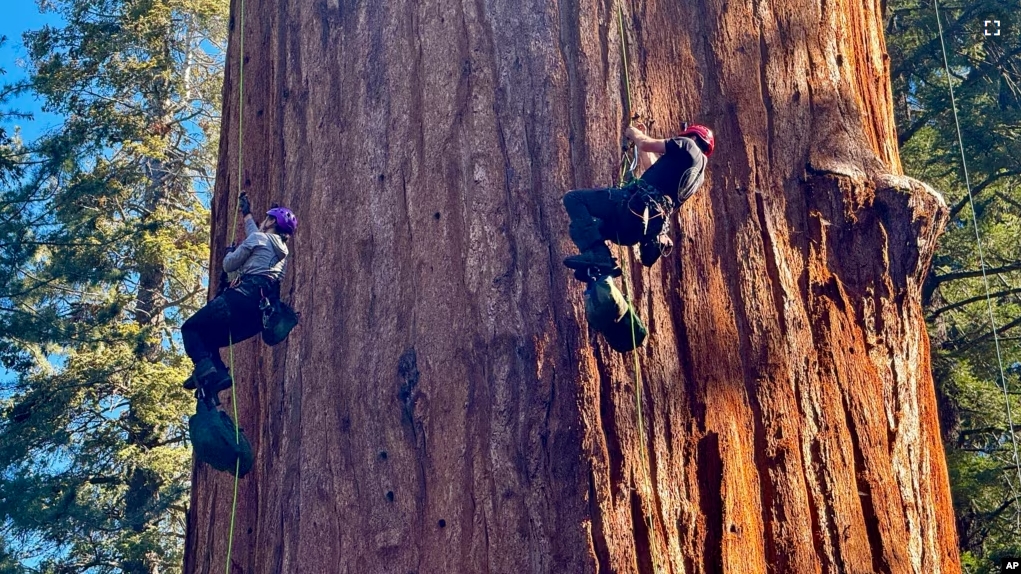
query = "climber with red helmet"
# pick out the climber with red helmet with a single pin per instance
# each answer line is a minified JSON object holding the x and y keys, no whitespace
{"x":638,"y":212}
{"x":250,"y":282}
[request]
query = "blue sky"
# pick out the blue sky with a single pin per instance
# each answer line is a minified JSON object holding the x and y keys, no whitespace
{"x":20,"y":16}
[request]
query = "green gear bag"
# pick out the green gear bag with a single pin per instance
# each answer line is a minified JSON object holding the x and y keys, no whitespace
{"x":620,"y":335}
{"x":214,"y":441}
{"x":604,"y":304}
{"x":610,"y":314}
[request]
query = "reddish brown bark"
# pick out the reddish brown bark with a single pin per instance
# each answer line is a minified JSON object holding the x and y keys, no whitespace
{"x":443,"y":407}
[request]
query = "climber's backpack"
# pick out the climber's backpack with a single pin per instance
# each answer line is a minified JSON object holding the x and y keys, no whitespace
{"x":610,"y":314}
{"x":277,"y":320}
{"x":215,"y":441}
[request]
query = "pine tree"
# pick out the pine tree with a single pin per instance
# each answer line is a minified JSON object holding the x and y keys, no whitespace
{"x":108,"y":245}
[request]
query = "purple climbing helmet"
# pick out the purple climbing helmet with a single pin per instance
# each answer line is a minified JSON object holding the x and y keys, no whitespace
{"x":287,"y":223}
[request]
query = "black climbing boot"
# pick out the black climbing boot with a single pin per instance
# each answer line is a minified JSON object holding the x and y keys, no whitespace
{"x":224,"y":383}
{"x":210,"y":377}
{"x":597,"y":258}
{"x":218,"y":381}
{"x":202,"y":369}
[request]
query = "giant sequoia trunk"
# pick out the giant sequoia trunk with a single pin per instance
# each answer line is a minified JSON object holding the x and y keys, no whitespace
{"x":443,"y":408}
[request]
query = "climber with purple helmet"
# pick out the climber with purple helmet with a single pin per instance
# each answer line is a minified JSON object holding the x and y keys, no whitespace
{"x":250,"y":283}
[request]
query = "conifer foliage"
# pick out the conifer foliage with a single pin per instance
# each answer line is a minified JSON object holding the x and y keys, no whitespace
{"x":105,"y":235}
{"x":983,"y":47}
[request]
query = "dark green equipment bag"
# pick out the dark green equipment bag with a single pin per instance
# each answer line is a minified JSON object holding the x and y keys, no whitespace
{"x":214,"y":440}
{"x":623,"y":336}
{"x":277,"y":320}
{"x":609,"y":313}
{"x":604,"y":303}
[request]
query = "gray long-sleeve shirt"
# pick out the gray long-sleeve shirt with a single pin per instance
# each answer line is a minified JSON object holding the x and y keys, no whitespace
{"x":259,"y":254}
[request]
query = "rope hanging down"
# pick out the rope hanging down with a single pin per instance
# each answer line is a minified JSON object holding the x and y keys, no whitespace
{"x":233,"y":236}
{"x":620,"y":249}
{"x":627,"y":166}
{"x":985,"y":279}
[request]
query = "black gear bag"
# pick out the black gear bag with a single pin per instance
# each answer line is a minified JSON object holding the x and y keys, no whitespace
{"x":278,"y":318}
{"x":217,"y":442}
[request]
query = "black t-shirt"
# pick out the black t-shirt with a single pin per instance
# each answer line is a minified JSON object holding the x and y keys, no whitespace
{"x":679,"y":172}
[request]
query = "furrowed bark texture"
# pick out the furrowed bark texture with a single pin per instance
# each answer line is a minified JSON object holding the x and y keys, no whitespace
{"x":443,"y":406}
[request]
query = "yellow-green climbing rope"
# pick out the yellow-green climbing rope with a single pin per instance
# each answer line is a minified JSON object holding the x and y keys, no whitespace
{"x":621,"y":249}
{"x":624,"y":172}
{"x":233,"y":235}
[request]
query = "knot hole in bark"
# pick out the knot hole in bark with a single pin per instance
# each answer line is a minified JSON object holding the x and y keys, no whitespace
{"x":407,"y":372}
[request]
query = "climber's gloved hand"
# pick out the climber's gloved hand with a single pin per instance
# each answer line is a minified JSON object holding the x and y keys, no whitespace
{"x":232,"y":247}
{"x":244,"y":204}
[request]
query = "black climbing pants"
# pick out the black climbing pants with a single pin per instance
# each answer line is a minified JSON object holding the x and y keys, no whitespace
{"x":616,"y":214}
{"x":603,"y":214}
{"x":233,"y":315}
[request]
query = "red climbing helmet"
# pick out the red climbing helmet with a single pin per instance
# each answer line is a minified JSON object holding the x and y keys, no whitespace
{"x":703,"y":133}
{"x":287,"y":223}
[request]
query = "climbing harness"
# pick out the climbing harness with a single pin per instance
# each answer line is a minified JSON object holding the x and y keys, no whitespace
{"x":985,"y":279}
{"x":651,"y":207}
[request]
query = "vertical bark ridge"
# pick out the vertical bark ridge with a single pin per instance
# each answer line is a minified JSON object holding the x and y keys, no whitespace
{"x":710,"y":466}
{"x":870,"y":515}
{"x":824,"y":535}
{"x":645,"y":560}
{"x":600,"y":547}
